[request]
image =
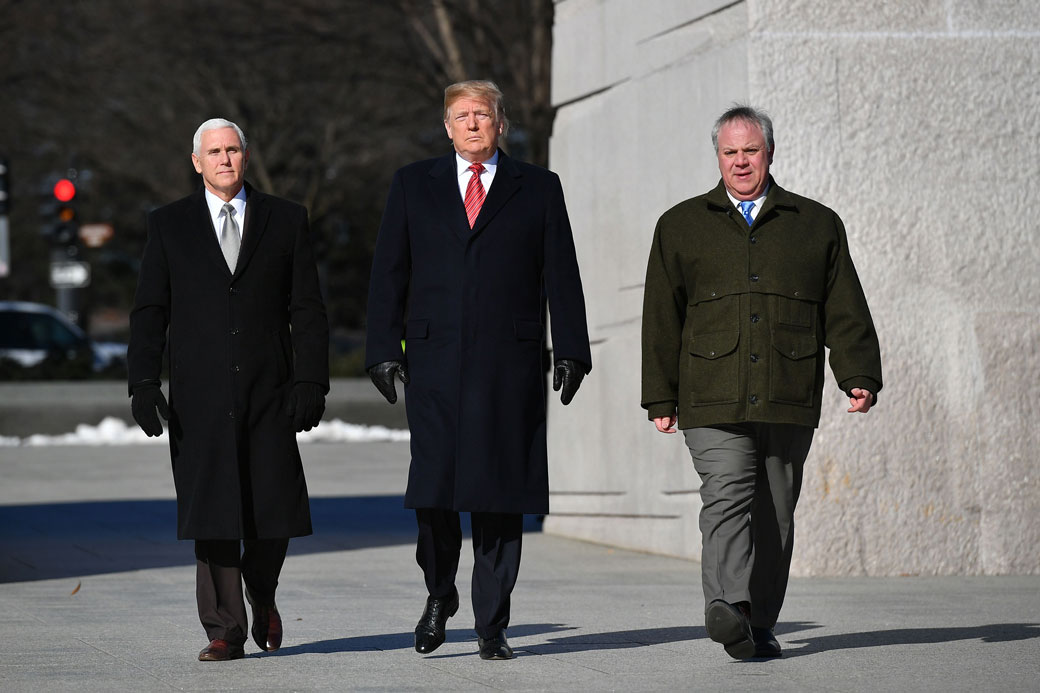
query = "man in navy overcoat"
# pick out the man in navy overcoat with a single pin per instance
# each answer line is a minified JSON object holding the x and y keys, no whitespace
{"x":471,"y":246}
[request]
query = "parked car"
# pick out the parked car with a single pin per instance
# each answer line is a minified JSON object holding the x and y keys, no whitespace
{"x":38,"y":341}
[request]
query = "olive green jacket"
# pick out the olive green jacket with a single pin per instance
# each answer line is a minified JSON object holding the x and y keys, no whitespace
{"x":735,"y":320}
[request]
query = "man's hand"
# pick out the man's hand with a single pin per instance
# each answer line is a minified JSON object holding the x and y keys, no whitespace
{"x":665,"y":424}
{"x":147,"y":399}
{"x":861,"y":400}
{"x":306,"y":405}
{"x":568,"y":374}
{"x":382,"y":375}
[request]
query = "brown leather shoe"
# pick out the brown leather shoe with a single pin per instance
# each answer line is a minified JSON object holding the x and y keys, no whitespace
{"x":267,"y":625}
{"x":220,"y":651}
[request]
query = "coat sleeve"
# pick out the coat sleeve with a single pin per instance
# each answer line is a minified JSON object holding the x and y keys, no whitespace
{"x":309,"y":325}
{"x":388,"y":284}
{"x":664,"y":312}
{"x":562,"y":281}
{"x":150,"y":315}
{"x":855,"y":355}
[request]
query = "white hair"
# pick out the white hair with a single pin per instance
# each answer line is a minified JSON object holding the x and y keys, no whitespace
{"x":216,"y":124}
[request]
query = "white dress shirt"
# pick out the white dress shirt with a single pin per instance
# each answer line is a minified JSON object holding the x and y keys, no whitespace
{"x":216,"y":211}
{"x":486,"y":176}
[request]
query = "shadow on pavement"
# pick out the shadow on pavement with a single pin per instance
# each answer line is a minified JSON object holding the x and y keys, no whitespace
{"x":625,"y":639}
{"x":996,"y":632}
{"x":60,"y":540}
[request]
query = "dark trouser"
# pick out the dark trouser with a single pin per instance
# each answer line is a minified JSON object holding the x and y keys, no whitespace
{"x":751,"y":475}
{"x":496,"y":561}
{"x":221,"y":567}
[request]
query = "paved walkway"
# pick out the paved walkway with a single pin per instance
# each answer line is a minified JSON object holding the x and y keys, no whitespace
{"x":96,"y":595}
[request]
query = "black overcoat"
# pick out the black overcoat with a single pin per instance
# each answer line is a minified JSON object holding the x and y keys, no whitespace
{"x":469,"y":305}
{"x":237,"y":343}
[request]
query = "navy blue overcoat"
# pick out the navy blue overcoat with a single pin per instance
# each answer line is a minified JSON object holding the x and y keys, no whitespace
{"x":469,"y":305}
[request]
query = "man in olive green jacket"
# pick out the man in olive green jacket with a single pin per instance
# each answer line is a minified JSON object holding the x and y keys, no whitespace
{"x":745,"y":286}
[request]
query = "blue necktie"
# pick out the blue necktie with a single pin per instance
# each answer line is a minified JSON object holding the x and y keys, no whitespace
{"x":745,"y":209}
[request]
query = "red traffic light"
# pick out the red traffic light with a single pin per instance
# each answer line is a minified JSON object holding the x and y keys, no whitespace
{"x":64,"y":190}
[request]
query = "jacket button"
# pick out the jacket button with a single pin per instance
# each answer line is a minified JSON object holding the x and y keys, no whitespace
{"x":754,"y":317}
{"x":754,"y":358}
{"x":233,"y":290}
{"x":234,"y":330}
{"x":235,"y":369}
{"x":231,"y":414}
{"x":754,"y":277}
{"x":753,"y":399}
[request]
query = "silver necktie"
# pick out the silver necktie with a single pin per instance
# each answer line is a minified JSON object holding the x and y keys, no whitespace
{"x":230,"y":239}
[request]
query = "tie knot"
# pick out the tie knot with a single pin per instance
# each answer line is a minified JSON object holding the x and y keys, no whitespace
{"x":229,"y":209}
{"x":746,"y":206}
{"x":477,"y":169}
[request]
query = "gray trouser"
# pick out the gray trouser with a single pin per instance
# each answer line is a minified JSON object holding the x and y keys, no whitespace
{"x":751,"y":474}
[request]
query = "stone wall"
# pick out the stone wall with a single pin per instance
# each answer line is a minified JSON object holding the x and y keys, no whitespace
{"x":918,"y":123}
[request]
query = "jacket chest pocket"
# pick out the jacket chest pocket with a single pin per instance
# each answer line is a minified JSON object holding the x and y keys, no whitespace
{"x":712,"y":374}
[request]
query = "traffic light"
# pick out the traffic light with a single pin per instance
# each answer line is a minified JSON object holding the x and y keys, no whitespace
{"x":66,"y":228}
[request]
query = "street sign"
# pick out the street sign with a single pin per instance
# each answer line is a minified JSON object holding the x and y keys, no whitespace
{"x":70,"y":275}
{"x":95,"y":235}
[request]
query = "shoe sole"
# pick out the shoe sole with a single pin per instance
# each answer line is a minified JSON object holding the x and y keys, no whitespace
{"x":725,"y":626}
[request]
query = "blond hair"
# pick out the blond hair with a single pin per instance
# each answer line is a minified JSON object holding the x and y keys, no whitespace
{"x":478,"y":90}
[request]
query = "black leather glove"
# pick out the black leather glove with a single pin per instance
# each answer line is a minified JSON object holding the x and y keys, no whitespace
{"x":306,"y":405}
{"x":147,"y":399}
{"x":382,"y":375}
{"x":567,"y":374}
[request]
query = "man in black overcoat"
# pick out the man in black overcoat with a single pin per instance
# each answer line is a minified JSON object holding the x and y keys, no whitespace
{"x":228,"y":284}
{"x":471,"y":246}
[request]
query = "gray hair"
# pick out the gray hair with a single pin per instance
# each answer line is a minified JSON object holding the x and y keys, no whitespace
{"x":216,"y":124}
{"x":747,"y":114}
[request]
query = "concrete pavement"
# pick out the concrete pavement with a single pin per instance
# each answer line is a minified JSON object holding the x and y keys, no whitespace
{"x":97,"y":595}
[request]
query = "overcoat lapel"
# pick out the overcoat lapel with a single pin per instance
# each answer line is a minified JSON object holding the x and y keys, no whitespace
{"x":444,"y":186}
{"x":257,"y":212}
{"x":505,"y":185}
{"x":202,"y":233}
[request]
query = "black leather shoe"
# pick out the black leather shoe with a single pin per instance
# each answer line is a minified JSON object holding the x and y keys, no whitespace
{"x":765,"y":643}
{"x":429,"y":632}
{"x":728,"y":624}
{"x":495,"y":648}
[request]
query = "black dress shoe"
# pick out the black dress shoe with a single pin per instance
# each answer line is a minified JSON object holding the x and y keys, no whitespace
{"x":495,"y":648}
{"x":220,"y":651}
{"x":267,"y":624}
{"x":728,"y":624}
{"x":765,"y":643}
{"x":429,"y":632}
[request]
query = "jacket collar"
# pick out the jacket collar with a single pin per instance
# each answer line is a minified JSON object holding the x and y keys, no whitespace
{"x":253,"y":227}
{"x":445,"y":186}
{"x":776,"y":198}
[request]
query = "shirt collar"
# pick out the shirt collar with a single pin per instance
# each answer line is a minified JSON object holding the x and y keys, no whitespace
{"x":759,"y":201}
{"x":462,"y":165}
{"x":216,"y":205}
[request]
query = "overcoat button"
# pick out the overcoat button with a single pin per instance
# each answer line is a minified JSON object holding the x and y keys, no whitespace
{"x":755,"y":318}
{"x":711,"y":353}
{"x":754,"y":358}
{"x":753,"y":399}
{"x":754,"y":277}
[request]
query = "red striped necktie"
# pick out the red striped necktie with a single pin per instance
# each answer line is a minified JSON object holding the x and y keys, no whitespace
{"x":474,"y":194}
